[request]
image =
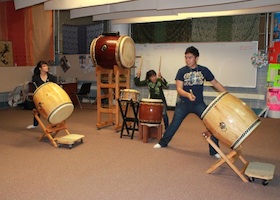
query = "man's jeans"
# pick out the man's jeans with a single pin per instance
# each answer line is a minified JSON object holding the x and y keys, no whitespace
{"x":181,"y":111}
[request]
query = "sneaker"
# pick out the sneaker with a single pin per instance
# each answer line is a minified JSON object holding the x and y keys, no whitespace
{"x":31,"y":127}
{"x":157,"y":146}
{"x":217,"y":155}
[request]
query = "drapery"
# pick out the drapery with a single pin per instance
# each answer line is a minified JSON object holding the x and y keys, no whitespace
{"x":77,"y":38}
{"x":210,"y":29}
{"x":30,"y":30}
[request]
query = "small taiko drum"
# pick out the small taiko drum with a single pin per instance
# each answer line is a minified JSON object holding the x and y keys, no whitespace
{"x":229,"y":119}
{"x":53,"y":103}
{"x":109,"y":50}
{"x":150,"y":111}
{"x":129,"y":94}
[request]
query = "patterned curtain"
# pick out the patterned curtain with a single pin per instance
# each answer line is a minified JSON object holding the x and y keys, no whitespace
{"x":77,"y":38}
{"x":204,"y":30}
{"x":179,"y":31}
{"x":160,"y":32}
{"x":245,"y":28}
{"x":70,"y":39}
{"x":143,"y":33}
{"x":93,"y":31}
{"x":230,"y":28}
{"x":30,"y":30}
{"x":212,"y":29}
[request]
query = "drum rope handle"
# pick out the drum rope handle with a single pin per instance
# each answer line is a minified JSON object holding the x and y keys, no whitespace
{"x":104,"y":47}
{"x":40,"y":104}
{"x":223,"y":126}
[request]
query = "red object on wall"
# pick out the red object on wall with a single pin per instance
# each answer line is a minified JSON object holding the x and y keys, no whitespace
{"x":274,"y":53}
{"x":30,"y":30}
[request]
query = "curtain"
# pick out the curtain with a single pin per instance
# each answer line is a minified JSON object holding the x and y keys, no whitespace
{"x":211,"y":29}
{"x":30,"y":30}
{"x":230,"y":28}
{"x":160,"y":32}
{"x":204,"y":30}
{"x":77,"y":38}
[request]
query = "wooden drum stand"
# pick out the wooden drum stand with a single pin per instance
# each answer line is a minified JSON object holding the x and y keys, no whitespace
{"x":113,"y":86}
{"x":229,"y":158}
{"x":264,"y":171}
{"x":51,"y":131}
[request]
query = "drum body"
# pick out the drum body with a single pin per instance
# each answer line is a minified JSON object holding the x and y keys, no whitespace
{"x":230,"y":120}
{"x":52,"y":102}
{"x":107,"y":51}
{"x":150,"y":111}
{"x":129,"y":94}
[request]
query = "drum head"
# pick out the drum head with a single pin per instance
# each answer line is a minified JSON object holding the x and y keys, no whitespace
{"x":61,"y":113}
{"x":130,"y":91}
{"x":92,"y":51}
{"x":212,"y":104}
{"x":126,"y":52}
{"x":152,"y":100}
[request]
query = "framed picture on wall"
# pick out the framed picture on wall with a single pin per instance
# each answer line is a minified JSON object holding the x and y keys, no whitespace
{"x":6,"y":54}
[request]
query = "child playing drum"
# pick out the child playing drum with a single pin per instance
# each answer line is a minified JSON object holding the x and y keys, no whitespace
{"x":156,"y":84}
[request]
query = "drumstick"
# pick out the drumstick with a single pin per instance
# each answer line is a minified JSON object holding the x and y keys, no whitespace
{"x":191,"y":92}
{"x":141,"y":62}
{"x":35,"y":85}
{"x":159,"y":64}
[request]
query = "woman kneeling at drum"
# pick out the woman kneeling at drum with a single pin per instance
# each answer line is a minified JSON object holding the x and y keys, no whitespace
{"x":156,"y":86}
{"x":41,"y":76}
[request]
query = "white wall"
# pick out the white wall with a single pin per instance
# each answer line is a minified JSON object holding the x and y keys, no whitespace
{"x":13,"y":76}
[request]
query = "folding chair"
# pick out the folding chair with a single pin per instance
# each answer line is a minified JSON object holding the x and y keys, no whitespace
{"x":83,"y":92}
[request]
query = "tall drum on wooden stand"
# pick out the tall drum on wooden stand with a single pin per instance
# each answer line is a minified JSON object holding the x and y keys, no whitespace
{"x":230,"y":120}
{"x":113,"y":55}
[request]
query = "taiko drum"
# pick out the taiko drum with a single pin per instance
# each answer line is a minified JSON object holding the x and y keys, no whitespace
{"x":150,"y":111}
{"x":129,"y":94}
{"x":53,"y":103}
{"x":230,"y":120}
{"x":109,"y":50}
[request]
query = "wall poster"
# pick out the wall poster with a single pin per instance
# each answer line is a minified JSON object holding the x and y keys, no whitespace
{"x":6,"y":54}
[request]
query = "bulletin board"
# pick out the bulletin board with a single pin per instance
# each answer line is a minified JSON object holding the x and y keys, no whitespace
{"x":230,"y":62}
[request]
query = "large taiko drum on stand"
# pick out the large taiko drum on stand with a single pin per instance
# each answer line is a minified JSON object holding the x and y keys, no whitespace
{"x":53,"y":103}
{"x":229,"y":119}
{"x":150,"y":111}
{"x":108,"y":50}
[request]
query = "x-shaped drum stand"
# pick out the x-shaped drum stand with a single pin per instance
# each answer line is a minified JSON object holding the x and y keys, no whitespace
{"x":229,"y":158}
{"x":51,"y":131}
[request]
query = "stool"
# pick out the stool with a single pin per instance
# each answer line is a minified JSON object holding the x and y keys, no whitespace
{"x":147,"y":131}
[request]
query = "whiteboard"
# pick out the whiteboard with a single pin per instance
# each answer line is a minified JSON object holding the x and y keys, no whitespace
{"x":171,"y":97}
{"x":230,"y":62}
